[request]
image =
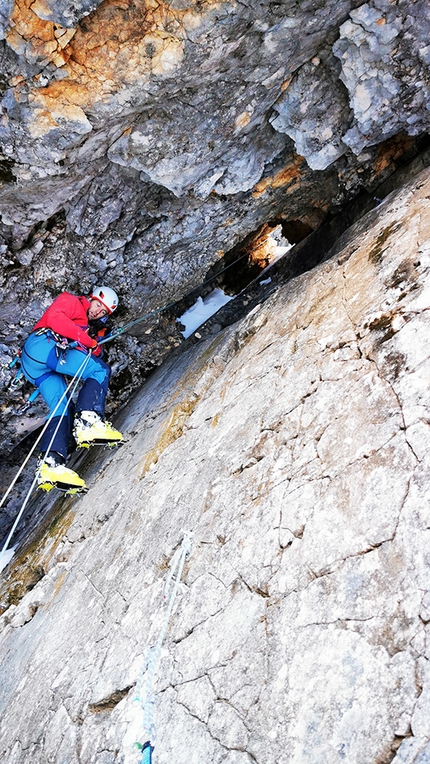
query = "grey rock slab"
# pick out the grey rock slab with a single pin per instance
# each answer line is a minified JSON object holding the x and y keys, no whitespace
{"x":299,"y":632}
{"x":375,"y":36}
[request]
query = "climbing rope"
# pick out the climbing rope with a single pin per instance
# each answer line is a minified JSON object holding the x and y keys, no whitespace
{"x":121,"y":329}
{"x":69,"y":391}
{"x":152,"y":658}
{"x":115,"y":333}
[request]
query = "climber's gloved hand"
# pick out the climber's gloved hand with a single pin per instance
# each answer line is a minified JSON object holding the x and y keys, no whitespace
{"x":94,"y":345}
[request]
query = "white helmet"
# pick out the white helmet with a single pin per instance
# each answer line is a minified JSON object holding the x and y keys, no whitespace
{"x":106,"y":296}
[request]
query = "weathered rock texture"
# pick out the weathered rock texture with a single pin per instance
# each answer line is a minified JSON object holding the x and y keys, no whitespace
{"x":295,"y":447}
{"x":108,"y":117}
{"x":142,"y":141}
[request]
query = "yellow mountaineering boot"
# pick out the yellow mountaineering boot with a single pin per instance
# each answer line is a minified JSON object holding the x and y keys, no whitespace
{"x":52,"y":474}
{"x":89,"y":429}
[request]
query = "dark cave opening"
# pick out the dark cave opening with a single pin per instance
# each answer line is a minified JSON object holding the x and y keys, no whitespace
{"x":310,"y":245}
{"x":237,"y":273}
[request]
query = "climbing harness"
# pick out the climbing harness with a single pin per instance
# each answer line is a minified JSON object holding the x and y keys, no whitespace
{"x":69,"y":391}
{"x":62,"y":346}
{"x":147,"y":699}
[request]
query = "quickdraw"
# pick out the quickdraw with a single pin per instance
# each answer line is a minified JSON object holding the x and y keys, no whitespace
{"x":146,"y":752}
{"x":16,"y":383}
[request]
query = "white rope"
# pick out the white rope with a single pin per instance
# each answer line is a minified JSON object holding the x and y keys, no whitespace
{"x":150,"y":664}
{"x":71,"y":387}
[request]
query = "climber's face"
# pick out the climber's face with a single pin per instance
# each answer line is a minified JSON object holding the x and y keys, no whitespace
{"x":96,"y":310}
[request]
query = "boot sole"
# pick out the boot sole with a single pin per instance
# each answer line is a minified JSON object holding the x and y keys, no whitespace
{"x":100,"y":442}
{"x":70,"y":490}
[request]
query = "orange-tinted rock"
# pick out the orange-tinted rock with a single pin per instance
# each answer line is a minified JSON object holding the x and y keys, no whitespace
{"x":288,"y":176}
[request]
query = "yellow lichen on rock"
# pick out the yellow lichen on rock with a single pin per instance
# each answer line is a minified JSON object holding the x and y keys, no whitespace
{"x":60,"y":92}
{"x":263,"y":249}
{"x":169,"y":52}
{"x":172,"y":430}
{"x":243,"y":119}
{"x":125,"y":42}
{"x":41,"y":8}
{"x":42,"y":123}
{"x":46,"y":120}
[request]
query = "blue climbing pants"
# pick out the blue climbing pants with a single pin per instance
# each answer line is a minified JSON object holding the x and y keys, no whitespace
{"x":45,"y":365}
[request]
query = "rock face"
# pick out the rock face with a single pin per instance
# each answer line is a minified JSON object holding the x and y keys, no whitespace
{"x":142,"y":141}
{"x":193,"y":100}
{"x":294,"y":446}
{"x":322,"y":117}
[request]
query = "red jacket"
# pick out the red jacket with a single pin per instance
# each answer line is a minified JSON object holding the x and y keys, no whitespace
{"x":67,"y":316}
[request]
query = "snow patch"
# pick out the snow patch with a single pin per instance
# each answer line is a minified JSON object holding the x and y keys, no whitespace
{"x":5,"y":557}
{"x":207,"y":306}
{"x":202,"y":310}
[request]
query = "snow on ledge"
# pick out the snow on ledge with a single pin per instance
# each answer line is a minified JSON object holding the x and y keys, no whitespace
{"x":202,"y":310}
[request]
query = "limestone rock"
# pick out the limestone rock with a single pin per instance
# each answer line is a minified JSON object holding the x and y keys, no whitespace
{"x":376,"y":36}
{"x":314,"y":112}
{"x":5,"y":11}
{"x":65,"y":13}
{"x":294,"y":446}
{"x":142,"y":143}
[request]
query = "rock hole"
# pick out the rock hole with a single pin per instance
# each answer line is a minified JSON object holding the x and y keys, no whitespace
{"x":109,"y":703}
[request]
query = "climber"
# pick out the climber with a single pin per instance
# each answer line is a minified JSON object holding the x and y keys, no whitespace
{"x":69,"y":328}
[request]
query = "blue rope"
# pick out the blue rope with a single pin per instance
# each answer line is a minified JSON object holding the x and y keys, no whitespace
{"x":146,"y":751}
{"x":117,"y":332}
{"x":150,"y":664}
